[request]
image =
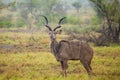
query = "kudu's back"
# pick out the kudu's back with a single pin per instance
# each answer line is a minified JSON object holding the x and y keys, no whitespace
{"x":75,"y":50}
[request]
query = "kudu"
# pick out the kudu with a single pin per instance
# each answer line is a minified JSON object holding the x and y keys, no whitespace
{"x":69,"y":50}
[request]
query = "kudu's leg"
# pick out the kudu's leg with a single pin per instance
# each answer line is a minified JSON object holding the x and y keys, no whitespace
{"x":64,"y":66}
{"x":86,"y":66}
{"x":89,"y":63}
{"x":91,"y":72}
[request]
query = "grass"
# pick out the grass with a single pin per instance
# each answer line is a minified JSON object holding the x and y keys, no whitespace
{"x":41,"y":64}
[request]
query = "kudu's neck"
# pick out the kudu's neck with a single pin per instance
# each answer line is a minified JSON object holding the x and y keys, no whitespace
{"x":54,"y":46}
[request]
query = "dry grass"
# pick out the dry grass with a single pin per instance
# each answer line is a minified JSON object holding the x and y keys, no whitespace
{"x":33,"y":61}
{"x":43,"y":66}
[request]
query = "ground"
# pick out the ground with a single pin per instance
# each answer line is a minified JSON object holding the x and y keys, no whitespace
{"x":35,"y":62}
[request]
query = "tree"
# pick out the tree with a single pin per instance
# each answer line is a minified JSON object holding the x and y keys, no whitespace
{"x":6,"y":21}
{"x":6,"y":6}
{"x":109,"y":11}
{"x":28,"y":11}
{"x":77,"y":6}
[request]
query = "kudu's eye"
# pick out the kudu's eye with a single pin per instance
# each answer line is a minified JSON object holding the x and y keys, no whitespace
{"x":49,"y":32}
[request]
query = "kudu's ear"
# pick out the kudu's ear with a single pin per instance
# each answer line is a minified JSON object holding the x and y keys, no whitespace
{"x":58,"y":32}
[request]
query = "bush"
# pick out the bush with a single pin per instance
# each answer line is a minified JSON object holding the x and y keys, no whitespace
{"x":20,"y":23}
{"x":73,"y":20}
{"x":5,"y":23}
{"x":72,"y":29}
{"x":95,"y":20}
{"x":95,"y":28}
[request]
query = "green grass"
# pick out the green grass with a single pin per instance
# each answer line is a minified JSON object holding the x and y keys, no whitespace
{"x":43,"y":66}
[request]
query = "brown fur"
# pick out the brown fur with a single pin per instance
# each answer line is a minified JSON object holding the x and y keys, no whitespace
{"x":72,"y":50}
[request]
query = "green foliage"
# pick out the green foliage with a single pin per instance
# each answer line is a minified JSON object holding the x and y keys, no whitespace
{"x":20,"y":23}
{"x":73,"y":20}
{"x":95,"y":28}
{"x":77,"y":5}
{"x":5,"y":23}
{"x":72,"y":29}
{"x":108,"y":9}
{"x":3,"y":5}
{"x":96,"y":20}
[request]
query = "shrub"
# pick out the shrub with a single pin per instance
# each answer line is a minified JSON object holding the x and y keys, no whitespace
{"x":95,"y":20}
{"x":5,"y":23}
{"x":73,"y":20}
{"x":72,"y":29}
{"x":20,"y":23}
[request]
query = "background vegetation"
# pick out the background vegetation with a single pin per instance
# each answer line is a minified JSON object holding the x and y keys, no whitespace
{"x":24,"y":43}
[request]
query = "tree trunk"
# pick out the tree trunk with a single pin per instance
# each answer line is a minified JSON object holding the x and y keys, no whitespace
{"x":116,"y":33}
{"x":116,"y":37}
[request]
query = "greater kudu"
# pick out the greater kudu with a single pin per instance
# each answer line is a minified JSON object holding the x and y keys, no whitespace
{"x":69,"y":50}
